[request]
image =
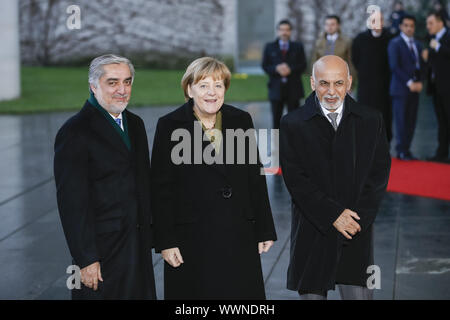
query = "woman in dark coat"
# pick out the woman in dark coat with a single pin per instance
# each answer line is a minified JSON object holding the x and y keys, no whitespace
{"x":211,"y":221}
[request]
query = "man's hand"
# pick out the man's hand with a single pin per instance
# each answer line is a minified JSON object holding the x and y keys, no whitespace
{"x":90,"y":275}
{"x":346,"y":225}
{"x":172,"y":256}
{"x":415,"y":87}
{"x":425,"y":55}
{"x":264,"y":246}
{"x":283,"y":69}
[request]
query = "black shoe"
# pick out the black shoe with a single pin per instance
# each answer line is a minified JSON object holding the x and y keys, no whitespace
{"x":406,"y":156}
{"x":437,"y":158}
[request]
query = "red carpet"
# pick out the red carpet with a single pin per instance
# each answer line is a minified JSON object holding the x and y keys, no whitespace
{"x":418,"y":178}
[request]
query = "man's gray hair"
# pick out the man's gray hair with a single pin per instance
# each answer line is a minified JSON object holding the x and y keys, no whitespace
{"x":314,"y":70}
{"x":96,"y":70}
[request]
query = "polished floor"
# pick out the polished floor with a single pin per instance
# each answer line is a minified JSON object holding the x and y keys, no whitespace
{"x":412,"y":234}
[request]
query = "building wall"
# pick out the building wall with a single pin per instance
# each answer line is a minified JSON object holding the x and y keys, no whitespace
{"x":9,"y":54}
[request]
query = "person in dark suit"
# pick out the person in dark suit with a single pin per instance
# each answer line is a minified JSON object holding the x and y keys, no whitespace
{"x":284,"y":61}
{"x":102,"y":173}
{"x":212,"y":216}
{"x":407,"y":68}
{"x":335,"y":161}
{"x":438,"y":56}
{"x":370,"y":58}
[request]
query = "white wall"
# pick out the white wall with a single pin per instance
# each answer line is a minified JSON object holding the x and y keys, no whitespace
{"x":9,"y":53}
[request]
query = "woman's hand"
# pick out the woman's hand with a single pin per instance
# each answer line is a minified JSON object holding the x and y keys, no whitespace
{"x":264,"y":246}
{"x":172,"y":256}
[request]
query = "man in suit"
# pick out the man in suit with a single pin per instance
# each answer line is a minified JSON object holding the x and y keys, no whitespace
{"x":333,"y":42}
{"x":284,"y":61}
{"x":102,"y":174}
{"x":335,"y":160}
{"x":438,"y":56}
{"x":407,"y":69}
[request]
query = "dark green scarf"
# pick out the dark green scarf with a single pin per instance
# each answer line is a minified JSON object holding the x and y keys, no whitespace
{"x":123,"y":133}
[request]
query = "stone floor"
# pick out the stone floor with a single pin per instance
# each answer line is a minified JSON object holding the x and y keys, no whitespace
{"x":412,"y":234}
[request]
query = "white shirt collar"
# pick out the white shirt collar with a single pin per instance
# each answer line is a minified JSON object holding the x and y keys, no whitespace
{"x":332,"y":37}
{"x":406,"y":38}
{"x":118,"y":117}
{"x":339,"y":111}
{"x":440,"y":33}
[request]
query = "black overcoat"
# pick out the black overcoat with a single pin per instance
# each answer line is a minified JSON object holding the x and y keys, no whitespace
{"x":103,"y":194}
{"x":214,"y":213}
{"x":371,"y":61}
{"x":295,"y":58}
{"x":326,"y":172}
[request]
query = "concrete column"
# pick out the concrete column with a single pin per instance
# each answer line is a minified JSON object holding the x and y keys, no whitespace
{"x":9,"y":52}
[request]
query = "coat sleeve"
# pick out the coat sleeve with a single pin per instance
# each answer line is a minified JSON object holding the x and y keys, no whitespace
{"x":444,"y":49}
{"x":356,"y":53}
{"x":267,"y":64}
{"x":265,"y":228}
{"x":146,"y":173}
{"x":299,"y":66}
{"x":320,"y":209}
{"x":162,"y":187}
{"x":71,"y":164}
{"x":376,"y":183}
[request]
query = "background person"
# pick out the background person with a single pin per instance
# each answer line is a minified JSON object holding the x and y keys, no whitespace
{"x":371,"y":61}
{"x":284,"y":61}
{"x":407,"y":69}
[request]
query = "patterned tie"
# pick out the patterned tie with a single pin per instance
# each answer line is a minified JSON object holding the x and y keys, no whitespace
{"x":333,"y":116}
{"x":118,"y":121}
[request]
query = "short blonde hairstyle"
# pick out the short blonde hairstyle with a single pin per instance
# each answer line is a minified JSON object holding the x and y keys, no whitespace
{"x":203,"y":68}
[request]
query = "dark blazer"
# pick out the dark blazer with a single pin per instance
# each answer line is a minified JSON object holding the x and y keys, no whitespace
{"x":216,"y":214}
{"x":439,"y":63}
{"x":103,"y":193}
{"x":296,"y":60}
{"x":403,"y":66}
{"x":326,"y":172}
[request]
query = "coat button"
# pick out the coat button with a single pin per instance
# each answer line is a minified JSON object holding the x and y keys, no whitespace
{"x":138,"y":226}
{"x":227,"y":192}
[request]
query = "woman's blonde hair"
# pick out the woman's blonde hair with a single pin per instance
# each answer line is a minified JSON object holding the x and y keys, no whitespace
{"x":202,"y":68}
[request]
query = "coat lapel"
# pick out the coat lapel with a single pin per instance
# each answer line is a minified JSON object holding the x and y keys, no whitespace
{"x":103,"y":128}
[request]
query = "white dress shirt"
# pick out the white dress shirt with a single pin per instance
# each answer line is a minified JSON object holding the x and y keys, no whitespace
{"x":339,"y":111}
{"x":119,"y":117}
{"x":439,"y":35}
{"x":332,"y":37}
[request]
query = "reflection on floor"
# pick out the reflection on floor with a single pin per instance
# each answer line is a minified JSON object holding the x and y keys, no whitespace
{"x":412,"y":234}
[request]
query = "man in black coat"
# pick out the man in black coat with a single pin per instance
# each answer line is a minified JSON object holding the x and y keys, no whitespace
{"x":335,"y":161}
{"x":438,"y":84}
{"x":370,"y":58}
{"x":284,"y":61}
{"x":102,"y":173}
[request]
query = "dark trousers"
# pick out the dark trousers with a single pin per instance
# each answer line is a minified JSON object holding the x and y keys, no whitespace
{"x":442,"y":108}
{"x":405,"y":115}
{"x":278,"y":105}
{"x":347,"y":292}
